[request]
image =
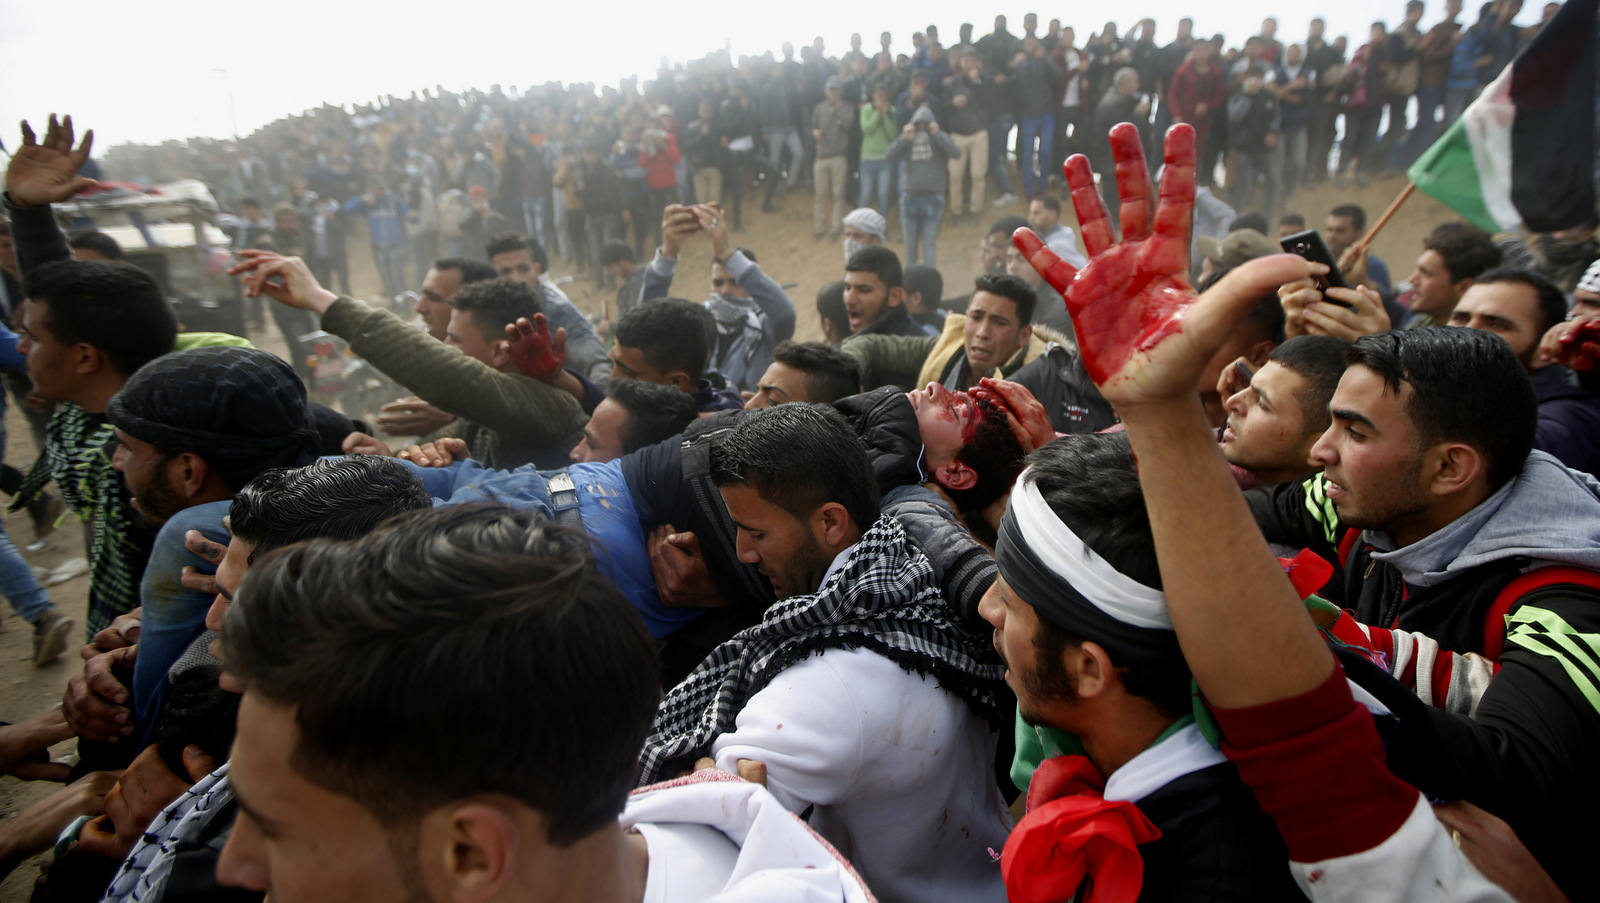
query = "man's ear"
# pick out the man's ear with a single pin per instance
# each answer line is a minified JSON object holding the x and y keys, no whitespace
{"x":469,"y":852}
{"x":88,"y":360}
{"x":1259,"y":352}
{"x":1025,"y":336}
{"x":682,"y":382}
{"x":1095,"y":672}
{"x":188,"y":473}
{"x":1461,"y":285}
{"x":956,"y":475}
{"x":831,"y":524}
{"x":897,"y":297}
{"x":499,"y":354}
{"x":1451,"y":467}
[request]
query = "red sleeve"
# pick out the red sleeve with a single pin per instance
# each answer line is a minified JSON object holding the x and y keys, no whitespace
{"x":1317,"y":767}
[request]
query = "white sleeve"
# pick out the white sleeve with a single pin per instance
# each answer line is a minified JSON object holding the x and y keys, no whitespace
{"x":1416,"y":863}
{"x":808,"y":727}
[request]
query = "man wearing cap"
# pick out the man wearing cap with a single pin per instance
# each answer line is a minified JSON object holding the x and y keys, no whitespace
{"x":830,"y":129}
{"x":1236,"y":248}
{"x":386,"y":216}
{"x":925,"y":150}
{"x":479,"y":223}
{"x":1107,"y":729}
{"x":863,"y":226}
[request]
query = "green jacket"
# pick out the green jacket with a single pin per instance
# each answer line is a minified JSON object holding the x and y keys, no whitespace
{"x":508,"y":420}
{"x":913,"y":361}
{"x":877,"y":130}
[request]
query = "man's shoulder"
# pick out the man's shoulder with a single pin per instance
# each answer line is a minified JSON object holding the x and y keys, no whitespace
{"x":207,"y":518}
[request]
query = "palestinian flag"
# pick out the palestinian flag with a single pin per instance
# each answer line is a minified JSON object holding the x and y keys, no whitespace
{"x":1523,"y":153}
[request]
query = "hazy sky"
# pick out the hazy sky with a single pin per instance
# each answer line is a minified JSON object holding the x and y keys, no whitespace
{"x":152,"y":71}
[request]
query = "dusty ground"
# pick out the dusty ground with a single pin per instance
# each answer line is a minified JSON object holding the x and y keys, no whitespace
{"x":783,"y":242}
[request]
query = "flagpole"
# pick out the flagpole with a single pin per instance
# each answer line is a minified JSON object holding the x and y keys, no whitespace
{"x":1366,"y":240}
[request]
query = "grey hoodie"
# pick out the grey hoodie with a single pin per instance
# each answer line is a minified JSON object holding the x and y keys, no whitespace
{"x":1548,"y":513}
{"x":925,"y":154}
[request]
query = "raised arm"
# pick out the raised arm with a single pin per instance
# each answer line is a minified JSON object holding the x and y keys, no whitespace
{"x":44,"y":173}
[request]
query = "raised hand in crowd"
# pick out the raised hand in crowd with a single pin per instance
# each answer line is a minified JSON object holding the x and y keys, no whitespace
{"x":535,"y":350}
{"x":25,"y":747}
{"x":678,"y":223}
{"x":709,"y":219}
{"x":438,"y":453}
{"x":46,"y":172}
{"x":286,"y":280}
{"x":1307,"y":312}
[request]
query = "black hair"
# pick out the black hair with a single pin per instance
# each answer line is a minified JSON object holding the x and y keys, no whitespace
{"x":1358,"y":216}
{"x":1467,"y":251}
{"x":98,"y":242}
{"x":617,"y":252}
{"x":335,"y":498}
{"x":655,"y":412}
{"x":830,"y":373}
{"x":248,"y":201}
{"x":1091,"y":482}
{"x":671,"y":333}
{"x":1012,"y":287}
{"x":993,"y":453}
{"x":1008,"y":224}
{"x":1050,"y":202}
{"x":1250,"y":220}
{"x":115,"y":307}
{"x":880,"y":261}
{"x":1292,"y":219}
{"x":506,"y":242}
{"x":393,"y":648}
{"x":1266,"y":317}
{"x":471,"y":270}
{"x":5,"y":229}
{"x":1552,"y":303}
{"x":497,"y":303}
{"x":1467,"y":385}
{"x":1319,"y":361}
{"x":799,"y":457}
{"x":925,"y":280}
{"x":830,"y":306}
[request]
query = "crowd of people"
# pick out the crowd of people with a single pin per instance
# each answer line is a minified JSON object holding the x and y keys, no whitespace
{"x":1075,"y":582}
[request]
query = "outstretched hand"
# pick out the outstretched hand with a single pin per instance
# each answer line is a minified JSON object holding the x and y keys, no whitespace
{"x":46,"y":172}
{"x":534,"y":350}
{"x":286,"y":280}
{"x":1134,"y":294}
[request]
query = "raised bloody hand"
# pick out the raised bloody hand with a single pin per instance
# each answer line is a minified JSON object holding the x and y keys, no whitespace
{"x":534,"y":351}
{"x":1134,"y":294}
{"x":1579,"y":346}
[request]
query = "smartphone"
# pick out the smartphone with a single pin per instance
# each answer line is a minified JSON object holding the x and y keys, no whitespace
{"x":1309,"y":244}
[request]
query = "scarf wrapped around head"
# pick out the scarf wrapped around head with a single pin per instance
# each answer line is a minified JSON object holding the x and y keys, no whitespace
{"x":241,"y":409}
{"x":885,"y":598}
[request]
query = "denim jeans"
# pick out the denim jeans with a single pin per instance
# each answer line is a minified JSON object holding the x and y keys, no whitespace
{"x":1455,"y":101}
{"x":920,"y":216}
{"x":1042,"y":128}
{"x":1429,"y":98}
{"x":391,"y":261}
{"x":1267,"y":162}
{"x":998,"y":130}
{"x":28,"y":599}
{"x":535,"y":214}
{"x":776,"y":139}
{"x":875,"y":177}
{"x":1294,"y":145}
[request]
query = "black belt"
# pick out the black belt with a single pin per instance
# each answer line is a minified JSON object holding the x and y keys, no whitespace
{"x":564,"y":499}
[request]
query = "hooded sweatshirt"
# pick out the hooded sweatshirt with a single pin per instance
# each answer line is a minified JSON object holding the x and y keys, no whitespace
{"x":925,"y":153}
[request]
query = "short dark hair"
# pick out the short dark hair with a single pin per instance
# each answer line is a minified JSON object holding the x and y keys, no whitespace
{"x":1358,"y":216}
{"x":1319,"y":361}
{"x":830,"y":306}
{"x":1294,"y":220}
{"x":333,"y":498}
{"x":671,"y":333}
{"x":799,"y":457}
{"x":925,"y":280}
{"x":655,"y":412}
{"x":993,"y":453}
{"x":471,"y":270}
{"x":248,"y":201}
{"x":98,"y":242}
{"x":1008,"y":224}
{"x":1008,"y":286}
{"x":1050,"y":202}
{"x":1552,"y":302}
{"x":496,"y":303}
{"x":1467,"y":251}
{"x":830,"y":373}
{"x":506,"y":242}
{"x":617,"y":252}
{"x":1266,"y":317}
{"x":1467,"y":385}
{"x":1250,"y":220}
{"x":880,"y":261}
{"x":115,"y":307}
{"x":392,"y":648}
{"x":1091,"y":482}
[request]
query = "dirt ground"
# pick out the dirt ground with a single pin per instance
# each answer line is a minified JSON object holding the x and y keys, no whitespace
{"x":782,"y":241}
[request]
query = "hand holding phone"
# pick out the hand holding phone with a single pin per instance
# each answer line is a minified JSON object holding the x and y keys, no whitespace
{"x":1309,"y":244}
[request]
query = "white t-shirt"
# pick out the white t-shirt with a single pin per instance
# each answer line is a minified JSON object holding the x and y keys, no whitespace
{"x":900,"y":772}
{"x":688,"y":863}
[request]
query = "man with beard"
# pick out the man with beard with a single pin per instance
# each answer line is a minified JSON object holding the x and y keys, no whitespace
{"x":752,"y":312}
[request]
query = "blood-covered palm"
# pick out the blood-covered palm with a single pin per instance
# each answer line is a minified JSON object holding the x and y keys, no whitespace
{"x":534,"y":351}
{"x":1580,"y":346}
{"x":1132,"y":294}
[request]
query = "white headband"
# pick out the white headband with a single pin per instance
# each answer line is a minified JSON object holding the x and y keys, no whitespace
{"x":1058,"y":548}
{"x":1591,"y":279}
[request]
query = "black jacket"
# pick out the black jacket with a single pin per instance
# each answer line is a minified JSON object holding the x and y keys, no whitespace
{"x":1071,"y":399}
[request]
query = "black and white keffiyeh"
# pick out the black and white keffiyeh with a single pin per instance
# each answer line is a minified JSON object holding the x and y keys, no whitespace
{"x":885,"y":599}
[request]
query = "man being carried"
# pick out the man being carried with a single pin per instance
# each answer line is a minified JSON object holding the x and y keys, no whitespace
{"x":993,"y":338}
{"x":813,"y":703}
{"x":751,"y":311}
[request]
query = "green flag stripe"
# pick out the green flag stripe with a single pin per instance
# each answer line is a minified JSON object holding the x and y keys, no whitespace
{"x":1545,"y":633}
{"x":1447,"y":173}
{"x":1321,"y":507}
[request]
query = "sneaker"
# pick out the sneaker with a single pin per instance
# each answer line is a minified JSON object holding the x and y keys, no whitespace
{"x":50,"y":634}
{"x":1004,"y":199}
